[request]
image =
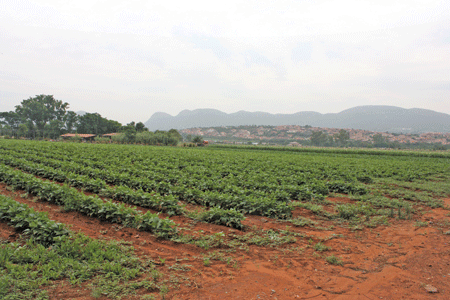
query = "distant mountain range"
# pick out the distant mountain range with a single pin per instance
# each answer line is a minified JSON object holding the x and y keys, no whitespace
{"x":373,"y":118}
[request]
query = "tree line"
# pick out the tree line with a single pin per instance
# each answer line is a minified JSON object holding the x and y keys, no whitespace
{"x":44,"y":116}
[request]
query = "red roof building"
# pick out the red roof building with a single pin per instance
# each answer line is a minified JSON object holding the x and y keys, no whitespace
{"x":84,"y":136}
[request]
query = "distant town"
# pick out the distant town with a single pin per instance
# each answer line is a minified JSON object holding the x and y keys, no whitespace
{"x":295,"y":135}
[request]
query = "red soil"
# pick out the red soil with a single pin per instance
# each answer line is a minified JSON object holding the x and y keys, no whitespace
{"x":387,"y":262}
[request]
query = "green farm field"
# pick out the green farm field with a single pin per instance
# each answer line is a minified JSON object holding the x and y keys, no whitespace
{"x":95,"y":221}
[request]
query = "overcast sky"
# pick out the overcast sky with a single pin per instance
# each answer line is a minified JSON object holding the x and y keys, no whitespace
{"x":129,"y":59}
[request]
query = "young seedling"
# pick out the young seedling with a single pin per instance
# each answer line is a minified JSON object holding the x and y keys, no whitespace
{"x":162,"y":260}
{"x":207,"y":262}
{"x":321,"y":247}
{"x":334,"y":260}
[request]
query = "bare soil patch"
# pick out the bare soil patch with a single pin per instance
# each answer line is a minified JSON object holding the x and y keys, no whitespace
{"x":398,"y":261}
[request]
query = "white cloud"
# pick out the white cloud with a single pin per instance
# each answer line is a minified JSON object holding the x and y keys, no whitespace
{"x":129,"y":59}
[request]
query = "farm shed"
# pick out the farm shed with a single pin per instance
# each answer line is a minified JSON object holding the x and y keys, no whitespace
{"x":110,"y":135}
{"x":84,"y":137}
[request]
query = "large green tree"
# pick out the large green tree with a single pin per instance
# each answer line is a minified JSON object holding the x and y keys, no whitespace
{"x":11,"y":122}
{"x":70,"y":121}
{"x":41,"y":110}
{"x":140,"y":127}
{"x":96,"y":124}
{"x":175,"y":134}
{"x":44,"y":116}
{"x":130,"y":133}
{"x":342,"y":137}
{"x":319,"y":138}
{"x":12,"y":119}
{"x":22,"y":130}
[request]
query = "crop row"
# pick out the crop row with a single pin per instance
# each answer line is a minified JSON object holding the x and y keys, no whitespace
{"x":125,"y":194}
{"x":243,"y":203}
{"x":34,"y":224}
{"x":262,"y":173}
{"x":89,"y":205}
{"x":240,"y":179}
{"x":364,"y":151}
{"x":228,"y":217}
{"x":347,"y":165}
{"x":165,"y":173}
{"x":51,"y":253}
{"x":168,"y":181}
